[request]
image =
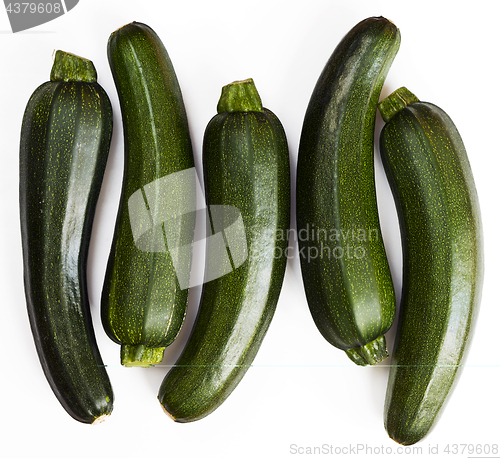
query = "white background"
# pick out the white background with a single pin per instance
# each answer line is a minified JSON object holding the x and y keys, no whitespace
{"x":301,"y":392}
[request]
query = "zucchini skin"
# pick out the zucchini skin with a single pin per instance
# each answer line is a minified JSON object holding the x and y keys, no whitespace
{"x":431,"y":179}
{"x":245,"y":165}
{"x":65,"y":138}
{"x":344,"y":266}
{"x":143,"y":306}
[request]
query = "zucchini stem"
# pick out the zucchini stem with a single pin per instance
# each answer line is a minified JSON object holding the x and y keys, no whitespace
{"x":70,"y":67}
{"x":141,"y":356}
{"x":371,"y":353}
{"x":239,"y":96}
{"x":396,"y":102}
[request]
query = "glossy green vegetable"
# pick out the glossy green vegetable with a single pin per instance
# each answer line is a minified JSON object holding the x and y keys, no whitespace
{"x":344,"y":267}
{"x":144,"y":300}
{"x":247,"y":182}
{"x":433,"y":186}
{"x":65,"y":140}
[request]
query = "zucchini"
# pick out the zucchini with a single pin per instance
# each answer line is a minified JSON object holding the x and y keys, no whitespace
{"x":433,"y":187}
{"x":245,"y":167}
{"x":344,"y":266}
{"x":143,"y":301}
{"x":65,"y":137}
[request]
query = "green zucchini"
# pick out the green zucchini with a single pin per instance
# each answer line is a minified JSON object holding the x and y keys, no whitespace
{"x":344,"y":266}
{"x":144,"y":300}
{"x":246,"y":167}
{"x":431,"y":179}
{"x":65,"y":138}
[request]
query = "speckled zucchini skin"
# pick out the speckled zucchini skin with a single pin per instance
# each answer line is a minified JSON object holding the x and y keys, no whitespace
{"x":344,"y":266}
{"x":65,"y":138}
{"x":245,"y":165}
{"x":431,"y":179}
{"x":143,"y":306}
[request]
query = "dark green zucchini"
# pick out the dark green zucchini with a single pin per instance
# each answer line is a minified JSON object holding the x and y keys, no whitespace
{"x":344,"y":266}
{"x":144,"y":299}
{"x":65,"y":138}
{"x":431,"y":179}
{"x":246,"y":170}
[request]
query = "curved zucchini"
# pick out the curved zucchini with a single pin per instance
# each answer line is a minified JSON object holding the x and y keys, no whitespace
{"x":143,"y":302}
{"x":65,"y":138}
{"x":344,"y":266}
{"x":430,"y":176}
{"x":246,"y":167}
